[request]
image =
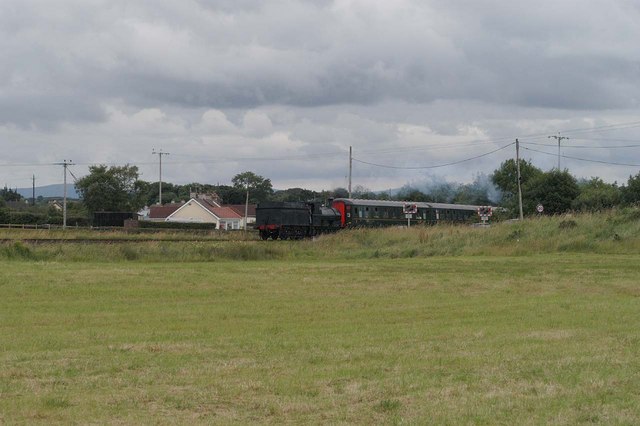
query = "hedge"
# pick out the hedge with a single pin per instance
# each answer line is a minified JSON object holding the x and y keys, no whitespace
{"x":30,"y":218}
{"x":175,"y":225}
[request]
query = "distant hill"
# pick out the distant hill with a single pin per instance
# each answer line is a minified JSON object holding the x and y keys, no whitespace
{"x":50,"y":191}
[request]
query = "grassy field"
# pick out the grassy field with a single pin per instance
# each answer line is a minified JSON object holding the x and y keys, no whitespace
{"x":136,"y":234}
{"x":369,"y":333}
{"x":613,"y":232}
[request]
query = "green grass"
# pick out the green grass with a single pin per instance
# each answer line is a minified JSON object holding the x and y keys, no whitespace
{"x":547,"y":338}
{"x":136,"y":234}
{"x":613,"y":232}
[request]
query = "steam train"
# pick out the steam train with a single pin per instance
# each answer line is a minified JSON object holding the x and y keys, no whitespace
{"x":297,"y":220}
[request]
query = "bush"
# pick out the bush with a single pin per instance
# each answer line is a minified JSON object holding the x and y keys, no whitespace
{"x":18,"y":250}
{"x":37,"y":218}
{"x":174,"y":225}
{"x":567,"y":224}
{"x":71,"y":220}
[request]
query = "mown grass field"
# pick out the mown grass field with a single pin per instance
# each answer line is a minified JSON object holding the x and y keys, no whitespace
{"x":393,"y":337}
{"x":534,"y":322}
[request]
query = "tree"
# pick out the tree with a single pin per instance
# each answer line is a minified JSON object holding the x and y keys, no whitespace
{"x":258,"y":187}
{"x":340,"y":193}
{"x":363,"y":193}
{"x":506,"y":179}
{"x":109,"y":189}
{"x":475,"y":193}
{"x":631,"y":192}
{"x":555,"y":190}
{"x":412,"y":194}
{"x":295,"y":194}
{"x":8,"y":194}
{"x":145,"y":192}
{"x":231,"y":194}
{"x":471,"y":194}
{"x":596,"y":195}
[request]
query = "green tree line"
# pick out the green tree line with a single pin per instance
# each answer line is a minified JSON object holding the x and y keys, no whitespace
{"x":559,"y":191}
{"x":119,"y":188}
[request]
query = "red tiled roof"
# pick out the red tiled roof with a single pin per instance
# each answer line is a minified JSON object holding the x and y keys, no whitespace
{"x":239,"y":208}
{"x":206,"y":203}
{"x":225,"y":213}
{"x":162,"y":212}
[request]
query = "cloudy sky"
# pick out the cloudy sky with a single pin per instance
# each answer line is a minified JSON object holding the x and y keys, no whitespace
{"x":283,"y":88}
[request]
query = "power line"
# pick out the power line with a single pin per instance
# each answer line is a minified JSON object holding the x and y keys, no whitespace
{"x":585,"y":159}
{"x":310,"y":157}
{"x":559,"y":139}
{"x":75,"y":179}
{"x":606,"y":139}
{"x":600,"y":129}
{"x":438,"y":165}
{"x":607,"y":128}
{"x":281,"y":158}
{"x":28,"y":164}
{"x":426,"y":148}
{"x":585,"y":146}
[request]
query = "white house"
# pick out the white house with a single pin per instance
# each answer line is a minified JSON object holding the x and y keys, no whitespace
{"x":200,"y":211}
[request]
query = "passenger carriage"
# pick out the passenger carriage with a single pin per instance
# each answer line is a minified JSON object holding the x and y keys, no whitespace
{"x":371,"y":213}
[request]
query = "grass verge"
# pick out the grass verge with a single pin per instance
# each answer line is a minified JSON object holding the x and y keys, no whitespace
{"x":615,"y":232}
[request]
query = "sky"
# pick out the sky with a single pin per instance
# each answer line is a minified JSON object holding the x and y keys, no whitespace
{"x":284,"y":88}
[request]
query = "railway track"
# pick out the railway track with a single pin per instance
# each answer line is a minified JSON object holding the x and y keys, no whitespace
{"x":105,"y":240}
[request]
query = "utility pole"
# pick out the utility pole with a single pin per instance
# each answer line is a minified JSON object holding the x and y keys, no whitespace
{"x":33,"y":190}
{"x":350,"y":169}
{"x":160,"y":153}
{"x":558,"y":138}
{"x":519,"y":178}
{"x":246,"y":208}
{"x":65,"y":164}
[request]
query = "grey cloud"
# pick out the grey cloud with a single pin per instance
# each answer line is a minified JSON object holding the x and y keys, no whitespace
{"x":247,"y":54}
{"x":329,"y":74}
{"x":46,"y":111}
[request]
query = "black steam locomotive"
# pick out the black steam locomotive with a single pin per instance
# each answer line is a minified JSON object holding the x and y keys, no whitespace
{"x":295,"y":220}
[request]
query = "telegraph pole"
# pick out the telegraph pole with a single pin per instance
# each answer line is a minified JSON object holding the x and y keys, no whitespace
{"x":64,"y":164}
{"x":160,"y":153}
{"x":246,"y":208}
{"x":519,"y":178}
{"x":559,"y":139}
{"x":33,"y":190}
{"x":350,"y":169}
